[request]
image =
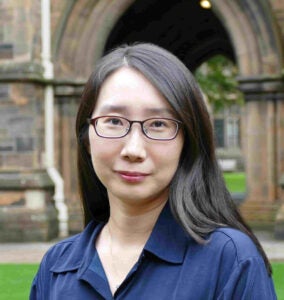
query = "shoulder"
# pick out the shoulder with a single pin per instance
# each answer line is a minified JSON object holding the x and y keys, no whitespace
{"x":226,"y":247}
{"x":243,"y":272}
{"x":62,"y":247}
{"x":66,"y":255}
{"x":69,"y":252}
{"x":234,"y":242}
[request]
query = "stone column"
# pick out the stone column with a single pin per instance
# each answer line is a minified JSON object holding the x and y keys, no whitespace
{"x":261,"y":140}
{"x":67,"y":96}
{"x":279,"y":222}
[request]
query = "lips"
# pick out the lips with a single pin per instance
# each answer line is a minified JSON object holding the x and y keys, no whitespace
{"x":132,"y":177}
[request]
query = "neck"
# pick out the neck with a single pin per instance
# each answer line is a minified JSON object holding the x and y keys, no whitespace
{"x":133,"y":225}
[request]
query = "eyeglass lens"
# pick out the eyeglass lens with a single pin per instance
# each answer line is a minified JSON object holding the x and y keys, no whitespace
{"x":154,"y":128}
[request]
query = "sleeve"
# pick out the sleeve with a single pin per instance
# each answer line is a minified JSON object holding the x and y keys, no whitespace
{"x":249,"y":280}
{"x":39,"y":288}
{"x":43,"y":282}
{"x":33,"y":291}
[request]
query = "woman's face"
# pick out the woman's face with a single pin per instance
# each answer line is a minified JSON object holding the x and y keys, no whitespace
{"x":134,"y":169}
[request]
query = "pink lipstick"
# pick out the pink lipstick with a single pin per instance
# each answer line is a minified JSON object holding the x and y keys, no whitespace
{"x":132,"y":177}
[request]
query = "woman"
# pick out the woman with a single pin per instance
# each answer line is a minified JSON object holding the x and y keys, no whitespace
{"x":160,"y":223}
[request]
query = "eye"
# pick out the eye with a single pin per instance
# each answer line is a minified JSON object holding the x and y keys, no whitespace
{"x":158,"y":123}
{"x":114,"y":121}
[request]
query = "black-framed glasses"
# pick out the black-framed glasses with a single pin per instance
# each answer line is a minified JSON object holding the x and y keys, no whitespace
{"x":115,"y":127}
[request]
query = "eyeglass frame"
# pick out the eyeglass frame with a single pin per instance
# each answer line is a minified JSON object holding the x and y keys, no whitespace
{"x":92,"y":121}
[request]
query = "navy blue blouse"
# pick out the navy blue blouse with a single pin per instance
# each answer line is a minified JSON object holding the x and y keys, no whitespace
{"x":172,"y":266}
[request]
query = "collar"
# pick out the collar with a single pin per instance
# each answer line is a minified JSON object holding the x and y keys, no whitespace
{"x":78,"y":251}
{"x":168,"y":242}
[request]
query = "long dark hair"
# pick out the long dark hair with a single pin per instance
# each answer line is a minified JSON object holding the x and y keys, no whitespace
{"x":198,"y":198}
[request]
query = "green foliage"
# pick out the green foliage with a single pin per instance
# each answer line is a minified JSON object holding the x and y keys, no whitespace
{"x":217,"y":78}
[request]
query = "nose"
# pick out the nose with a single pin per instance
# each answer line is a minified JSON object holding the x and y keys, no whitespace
{"x":134,"y":147}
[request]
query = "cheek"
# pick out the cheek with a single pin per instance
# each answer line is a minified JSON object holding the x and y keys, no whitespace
{"x":167,"y":158}
{"x":100,"y":155}
{"x":102,"y":162}
{"x":176,"y":150}
{"x":97,"y":152}
{"x":103,"y":154}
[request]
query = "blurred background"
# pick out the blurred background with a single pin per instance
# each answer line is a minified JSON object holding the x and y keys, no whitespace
{"x":48,"y":49}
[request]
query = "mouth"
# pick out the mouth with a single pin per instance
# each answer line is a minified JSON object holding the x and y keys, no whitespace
{"x":132,"y":177}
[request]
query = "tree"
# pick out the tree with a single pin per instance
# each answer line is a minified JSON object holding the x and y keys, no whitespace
{"x":217,"y":78}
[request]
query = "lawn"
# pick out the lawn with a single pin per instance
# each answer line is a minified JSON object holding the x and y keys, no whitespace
{"x":236,"y":182}
{"x":15,"y":280}
{"x":278,"y":277}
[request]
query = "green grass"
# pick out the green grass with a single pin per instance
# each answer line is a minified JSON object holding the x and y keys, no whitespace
{"x":15,"y":280}
{"x":236,"y":182}
{"x":278,"y":278}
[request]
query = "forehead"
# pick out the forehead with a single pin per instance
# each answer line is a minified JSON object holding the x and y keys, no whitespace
{"x":128,"y":89}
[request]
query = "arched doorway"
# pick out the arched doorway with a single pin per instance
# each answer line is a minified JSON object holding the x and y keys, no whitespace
{"x":194,"y":34}
{"x":243,"y":30}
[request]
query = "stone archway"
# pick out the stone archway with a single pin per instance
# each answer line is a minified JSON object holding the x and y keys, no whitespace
{"x":81,"y":36}
{"x":249,"y":36}
{"x":254,"y":35}
{"x":259,"y":55}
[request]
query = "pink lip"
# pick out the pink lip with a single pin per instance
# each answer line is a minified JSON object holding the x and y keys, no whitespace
{"x":132,"y":177}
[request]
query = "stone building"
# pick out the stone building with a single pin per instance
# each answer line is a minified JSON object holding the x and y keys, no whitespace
{"x":47,"y":51}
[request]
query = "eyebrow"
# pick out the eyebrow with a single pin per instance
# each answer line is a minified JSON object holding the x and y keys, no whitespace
{"x":113,"y":108}
{"x":124,"y":109}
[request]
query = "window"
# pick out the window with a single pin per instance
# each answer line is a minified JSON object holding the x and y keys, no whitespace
{"x":227,"y":129}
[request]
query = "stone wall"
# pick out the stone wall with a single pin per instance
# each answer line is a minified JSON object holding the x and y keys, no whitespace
{"x":19,"y":34}
{"x":79,"y":30}
{"x":278,"y":10}
{"x":26,"y":207}
{"x":27,"y":211}
{"x":22,"y":126}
